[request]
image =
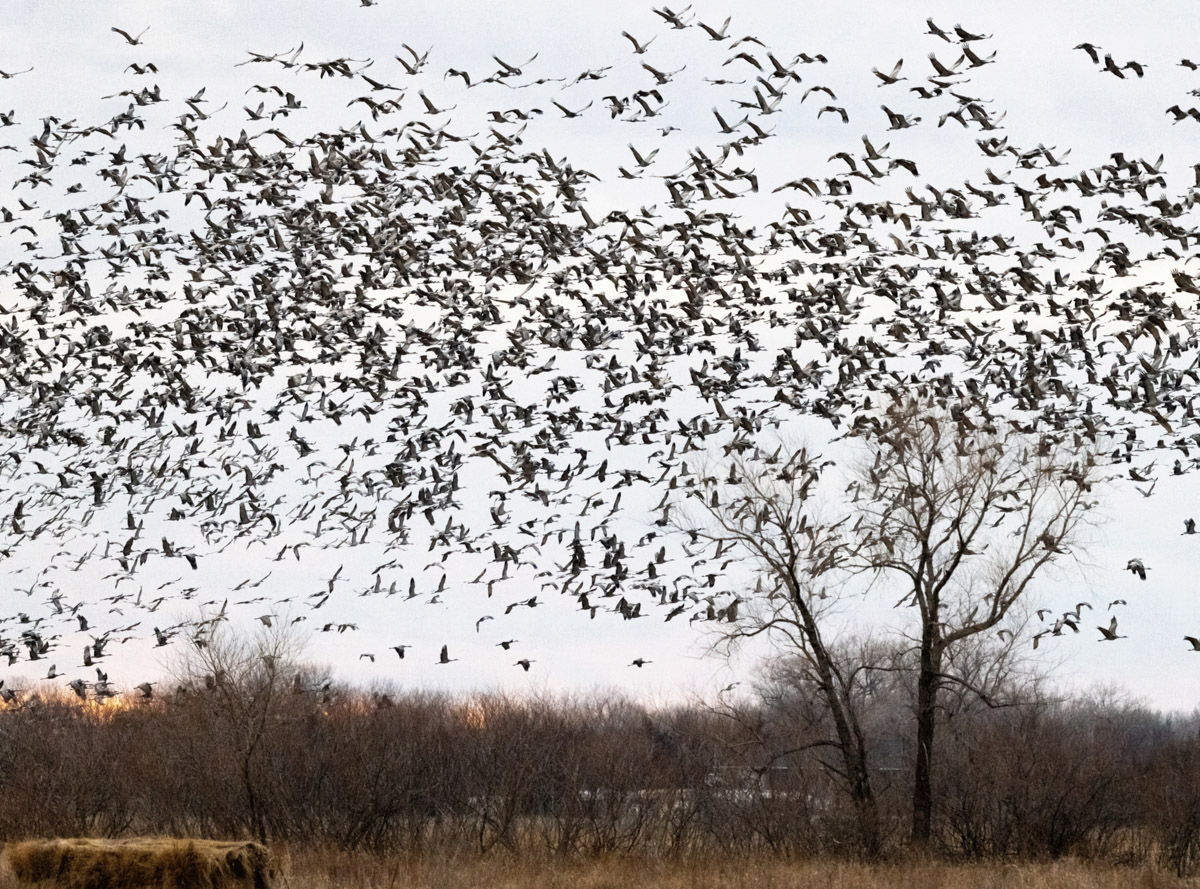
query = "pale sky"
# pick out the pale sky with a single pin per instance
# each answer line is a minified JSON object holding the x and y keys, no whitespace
{"x":1049,"y":93}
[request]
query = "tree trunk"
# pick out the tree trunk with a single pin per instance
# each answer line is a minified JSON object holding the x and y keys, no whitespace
{"x":868,"y":810}
{"x":927,"y":689}
{"x":858,"y":775}
{"x":258,"y":826}
{"x":849,"y":733}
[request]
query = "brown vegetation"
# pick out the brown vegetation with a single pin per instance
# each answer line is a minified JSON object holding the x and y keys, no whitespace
{"x":349,"y":871}
{"x":189,"y":865}
{"x":420,"y":775}
{"x":142,"y":863}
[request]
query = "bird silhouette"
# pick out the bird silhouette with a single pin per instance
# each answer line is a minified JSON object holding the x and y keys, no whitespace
{"x":132,"y":41}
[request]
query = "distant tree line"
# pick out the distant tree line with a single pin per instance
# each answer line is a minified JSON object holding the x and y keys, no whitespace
{"x":266,"y":748}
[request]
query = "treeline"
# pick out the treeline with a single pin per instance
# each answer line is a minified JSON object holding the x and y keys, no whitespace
{"x":288,"y":757}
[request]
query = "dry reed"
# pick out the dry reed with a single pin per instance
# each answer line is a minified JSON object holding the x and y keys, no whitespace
{"x":307,"y":869}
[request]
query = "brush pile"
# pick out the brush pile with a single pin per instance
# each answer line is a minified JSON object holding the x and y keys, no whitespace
{"x":138,"y":863}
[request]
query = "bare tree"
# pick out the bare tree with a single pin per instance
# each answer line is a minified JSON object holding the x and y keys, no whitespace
{"x":961,"y":518}
{"x":954,"y":519}
{"x":765,"y":509}
{"x":244,"y":684}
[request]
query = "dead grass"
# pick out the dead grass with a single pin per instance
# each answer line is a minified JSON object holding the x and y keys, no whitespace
{"x":143,"y":863}
{"x":200,"y":864}
{"x":310,"y":870}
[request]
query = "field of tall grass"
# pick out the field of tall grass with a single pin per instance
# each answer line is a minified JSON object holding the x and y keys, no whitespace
{"x":309,"y":869}
{"x":165,"y":864}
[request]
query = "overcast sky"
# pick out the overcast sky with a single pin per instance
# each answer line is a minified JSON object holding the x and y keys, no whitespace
{"x":1050,"y":92}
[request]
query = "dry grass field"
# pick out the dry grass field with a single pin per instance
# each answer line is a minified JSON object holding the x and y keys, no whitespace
{"x":310,"y":870}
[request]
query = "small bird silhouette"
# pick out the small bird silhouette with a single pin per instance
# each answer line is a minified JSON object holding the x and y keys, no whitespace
{"x":133,"y":41}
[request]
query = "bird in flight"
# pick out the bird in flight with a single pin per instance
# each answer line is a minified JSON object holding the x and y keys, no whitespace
{"x":638,"y":48}
{"x":891,"y":78}
{"x":133,"y":41}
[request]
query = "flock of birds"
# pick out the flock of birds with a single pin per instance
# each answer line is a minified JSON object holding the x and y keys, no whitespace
{"x":429,"y":340}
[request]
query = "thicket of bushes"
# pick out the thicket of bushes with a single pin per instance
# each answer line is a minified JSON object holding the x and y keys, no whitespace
{"x":283,"y":759}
